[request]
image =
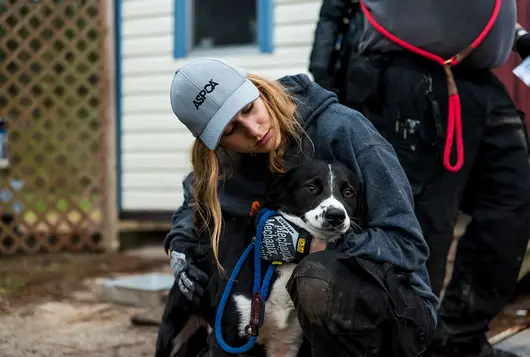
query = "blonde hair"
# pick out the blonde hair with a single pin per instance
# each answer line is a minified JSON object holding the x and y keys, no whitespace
{"x":206,"y":163}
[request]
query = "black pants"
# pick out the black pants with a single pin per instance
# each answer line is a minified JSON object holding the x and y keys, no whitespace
{"x":493,"y":186}
{"x":354,"y":308}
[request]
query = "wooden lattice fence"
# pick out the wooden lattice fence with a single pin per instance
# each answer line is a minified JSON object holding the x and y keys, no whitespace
{"x":54,"y":104}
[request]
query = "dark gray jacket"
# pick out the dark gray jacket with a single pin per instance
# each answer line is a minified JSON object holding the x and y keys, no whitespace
{"x":443,"y":28}
{"x":337,"y":132}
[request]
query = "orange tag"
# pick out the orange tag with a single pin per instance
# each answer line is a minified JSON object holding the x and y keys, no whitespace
{"x":254,"y":208}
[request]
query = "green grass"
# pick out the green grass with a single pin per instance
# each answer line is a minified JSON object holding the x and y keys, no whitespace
{"x":63,"y":205}
{"x":54,"y":207}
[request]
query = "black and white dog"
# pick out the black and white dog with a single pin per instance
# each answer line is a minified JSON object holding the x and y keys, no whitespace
{"x":324,"y":199}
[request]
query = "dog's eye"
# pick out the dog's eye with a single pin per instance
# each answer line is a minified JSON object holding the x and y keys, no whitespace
{"x":311,"y":188}
{"x":348,"y":193}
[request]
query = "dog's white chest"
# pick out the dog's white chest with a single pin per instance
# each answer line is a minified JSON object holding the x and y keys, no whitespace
{"x":281,"y":333}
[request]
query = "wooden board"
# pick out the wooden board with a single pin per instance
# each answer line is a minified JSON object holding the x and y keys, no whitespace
{"x":518,"y":343}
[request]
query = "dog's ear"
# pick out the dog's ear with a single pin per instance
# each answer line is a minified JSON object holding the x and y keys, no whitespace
{"x":276,"y":191}
{"x":361,"y":209}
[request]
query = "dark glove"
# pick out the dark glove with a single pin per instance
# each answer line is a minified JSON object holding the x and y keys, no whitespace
{"x":522,"y":45}
{"x":282,"y":241}
{"x":190,"y":279}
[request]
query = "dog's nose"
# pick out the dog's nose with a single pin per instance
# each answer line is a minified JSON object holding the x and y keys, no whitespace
{"x":335,"y":216}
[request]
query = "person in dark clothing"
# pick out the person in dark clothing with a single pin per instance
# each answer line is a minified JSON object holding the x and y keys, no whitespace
{"x":409,"y":106}
{"x":336,"y":39}
{"x":255,"y":128}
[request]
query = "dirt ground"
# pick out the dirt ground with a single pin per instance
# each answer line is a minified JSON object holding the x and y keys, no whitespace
{"x":51,"y":306}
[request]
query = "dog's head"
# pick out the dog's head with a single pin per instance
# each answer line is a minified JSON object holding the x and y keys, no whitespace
{"x":323,"y":198}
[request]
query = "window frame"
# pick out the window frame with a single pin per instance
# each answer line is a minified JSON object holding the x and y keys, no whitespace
{"x":182,"y":27}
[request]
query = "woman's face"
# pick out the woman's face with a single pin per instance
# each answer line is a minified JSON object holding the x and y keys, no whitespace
{"x":251,"y":131}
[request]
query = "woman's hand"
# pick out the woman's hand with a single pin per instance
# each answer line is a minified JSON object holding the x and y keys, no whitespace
{"x":191,"y":280}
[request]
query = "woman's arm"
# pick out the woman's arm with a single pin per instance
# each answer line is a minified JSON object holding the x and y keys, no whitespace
{"x":182,"y":245}
{"x":182,"y":236}
{"x":393,"y":233}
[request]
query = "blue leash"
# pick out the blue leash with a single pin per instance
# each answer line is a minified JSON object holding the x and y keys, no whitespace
{"x":260,"y":289}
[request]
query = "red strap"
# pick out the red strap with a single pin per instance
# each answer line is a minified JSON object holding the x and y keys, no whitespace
{"x":454,"y":120}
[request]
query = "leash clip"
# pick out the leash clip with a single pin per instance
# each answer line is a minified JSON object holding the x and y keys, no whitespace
{"x":256,"y":315}
{"x":252,"y":330}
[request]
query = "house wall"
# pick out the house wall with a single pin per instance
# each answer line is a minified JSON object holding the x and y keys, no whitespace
{"x":154,"y":145}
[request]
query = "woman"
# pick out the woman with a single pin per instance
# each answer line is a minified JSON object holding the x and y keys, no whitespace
{"x":248,"y":129}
